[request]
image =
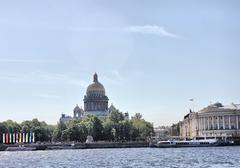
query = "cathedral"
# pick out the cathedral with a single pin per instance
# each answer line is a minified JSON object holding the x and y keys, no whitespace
{"x":95,"y":102}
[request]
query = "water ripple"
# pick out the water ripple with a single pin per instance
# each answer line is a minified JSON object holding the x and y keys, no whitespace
{"x":124,"y":158}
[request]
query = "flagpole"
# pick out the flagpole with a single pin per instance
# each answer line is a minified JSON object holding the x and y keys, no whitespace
{"x":192,"y":100}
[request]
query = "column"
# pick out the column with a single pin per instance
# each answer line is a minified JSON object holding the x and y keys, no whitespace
{"x":223,"y":122}
{"x":218,"y":120}
{"x":229,"y":122}
{"x":237,"y":121}
{"x":213,"y":123}
{"x":200,"y":123}
{"x":204,"y":125}
{"x":208,"y":123}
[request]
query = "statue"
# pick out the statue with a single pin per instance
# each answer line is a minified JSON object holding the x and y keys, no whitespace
{"x":89,"y":139}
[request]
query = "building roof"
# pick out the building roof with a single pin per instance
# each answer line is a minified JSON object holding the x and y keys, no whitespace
{"x":232,"y":106}
{"x":218,"y":106}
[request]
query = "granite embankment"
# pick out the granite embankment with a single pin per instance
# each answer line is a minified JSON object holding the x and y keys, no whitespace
{"x":59,"y":146}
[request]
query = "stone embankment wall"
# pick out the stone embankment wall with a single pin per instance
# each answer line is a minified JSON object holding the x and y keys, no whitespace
{"x":50,"y":146}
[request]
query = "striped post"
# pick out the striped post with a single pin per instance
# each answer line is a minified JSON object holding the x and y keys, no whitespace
{"x":33,"y":139}
{"x":6,"y":138}
{"x":20,"y":137}
{"x":27,"y":137}
{"x":14,"y":139}
{"x":10,"y":137}
{"x":30,"y":137}
{"x":23,"y":137}
{"x":3,"y":137}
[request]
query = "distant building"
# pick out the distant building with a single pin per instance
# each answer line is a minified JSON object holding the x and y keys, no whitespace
{"x":64,"y":118}
{"x":214,"y":120}
{"x":95,"y":103}
{"x":162,"y":133}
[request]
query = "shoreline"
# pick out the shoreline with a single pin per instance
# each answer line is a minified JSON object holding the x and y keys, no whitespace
{"x":63,"y":146}
{"x":67,"y":146}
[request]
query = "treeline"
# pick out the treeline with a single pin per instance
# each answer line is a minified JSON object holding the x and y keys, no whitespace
{"x":114,"y":127}
{"x":43,"y":131}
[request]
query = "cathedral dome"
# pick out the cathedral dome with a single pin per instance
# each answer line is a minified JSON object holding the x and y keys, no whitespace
{"x":96,"y":88}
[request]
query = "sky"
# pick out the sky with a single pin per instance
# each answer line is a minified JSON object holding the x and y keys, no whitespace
{"x":152,"y":56}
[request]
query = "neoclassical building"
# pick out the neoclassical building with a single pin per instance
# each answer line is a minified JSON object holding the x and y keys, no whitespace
{"x":95,"y":102}
{"x":215,"y":120}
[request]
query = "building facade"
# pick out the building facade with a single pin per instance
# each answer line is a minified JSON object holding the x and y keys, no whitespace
{"x":215,"y":120}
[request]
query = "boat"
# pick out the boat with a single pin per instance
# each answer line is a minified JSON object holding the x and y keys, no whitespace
{"x":186,"y":143}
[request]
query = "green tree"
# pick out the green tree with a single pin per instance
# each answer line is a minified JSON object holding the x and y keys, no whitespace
{"x":71,"y":122}
{"x":144,"y":128}
{"x":12,"y":126}
{"x":65,"y":135}
{"x":94,"y":127}
{"x":43,"y":131}
{"x":83,"y":132}
{"x":137,"y":116}
{"x":116,"y":116}
{"x":57,"y":133}
{"x":107,"y":130}
{"x":3,"y":129}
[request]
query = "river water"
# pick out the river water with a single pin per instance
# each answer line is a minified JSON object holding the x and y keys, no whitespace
{"x":204,"y":157}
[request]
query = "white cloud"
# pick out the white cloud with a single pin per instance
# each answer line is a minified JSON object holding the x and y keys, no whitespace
{"x":151,"y":29}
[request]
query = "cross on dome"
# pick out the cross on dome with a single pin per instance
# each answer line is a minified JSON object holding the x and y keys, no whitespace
{"x":95,"y":77}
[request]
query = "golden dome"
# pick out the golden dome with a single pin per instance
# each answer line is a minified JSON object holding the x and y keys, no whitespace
{"x":96,"y":87}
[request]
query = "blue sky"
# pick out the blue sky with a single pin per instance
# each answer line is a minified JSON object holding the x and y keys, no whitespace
{"x":152,"y":56}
